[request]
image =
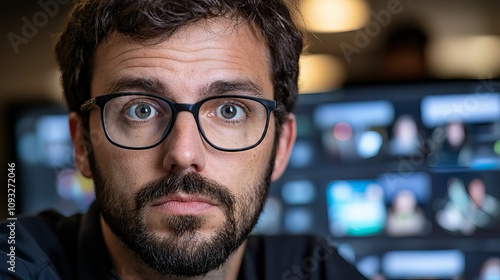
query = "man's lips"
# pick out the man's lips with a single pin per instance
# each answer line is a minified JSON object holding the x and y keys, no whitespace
{"x":181,"y":204}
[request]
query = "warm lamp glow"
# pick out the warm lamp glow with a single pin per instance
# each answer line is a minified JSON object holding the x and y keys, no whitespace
{"x":334,"y":15}
{"x":465,"y":56}
{"x":320,"y":73}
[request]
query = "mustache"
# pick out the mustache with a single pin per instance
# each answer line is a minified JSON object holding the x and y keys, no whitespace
{"x":188,"y":183}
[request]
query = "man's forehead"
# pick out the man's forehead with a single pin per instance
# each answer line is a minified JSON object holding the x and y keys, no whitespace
{"x":212,"y":29}
{"x":226,"y":42}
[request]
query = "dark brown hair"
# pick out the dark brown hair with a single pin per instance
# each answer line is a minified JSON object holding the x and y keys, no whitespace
{"x":91,"y":21}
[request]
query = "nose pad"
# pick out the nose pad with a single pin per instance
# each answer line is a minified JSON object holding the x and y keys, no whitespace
{"x":184,"y":145}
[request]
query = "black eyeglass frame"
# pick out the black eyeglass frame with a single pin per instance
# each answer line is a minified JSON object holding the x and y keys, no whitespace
{"x":194,"y":109}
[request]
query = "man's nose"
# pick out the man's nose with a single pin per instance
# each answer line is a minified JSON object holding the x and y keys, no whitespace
{"x":184,"y":145}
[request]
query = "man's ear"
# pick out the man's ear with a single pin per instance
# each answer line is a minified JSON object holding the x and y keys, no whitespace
{"x":285,"y":145}
{"x":79,"y":144}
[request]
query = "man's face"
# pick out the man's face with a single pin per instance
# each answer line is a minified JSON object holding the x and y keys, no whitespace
{"x":183,"y":207}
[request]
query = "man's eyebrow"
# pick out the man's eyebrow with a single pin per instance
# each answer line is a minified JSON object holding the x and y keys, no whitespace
{"x":149,"y":85}
{"x":155,"y":86}
{"x":224,"y":87}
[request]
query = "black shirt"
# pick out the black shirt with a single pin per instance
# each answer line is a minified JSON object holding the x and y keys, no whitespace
{"x":49,"y":246}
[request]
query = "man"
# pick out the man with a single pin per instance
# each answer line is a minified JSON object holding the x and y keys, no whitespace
{"x":181,"y":114}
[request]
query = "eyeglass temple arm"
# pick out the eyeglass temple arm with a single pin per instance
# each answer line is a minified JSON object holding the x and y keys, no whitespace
{"x":87,"y":105}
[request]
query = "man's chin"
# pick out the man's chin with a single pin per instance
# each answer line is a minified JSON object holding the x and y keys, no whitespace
{"x":186,"y":251}
{"x":180,"y":225}
{"x":189,"y":238}
{"x":183,"y":225}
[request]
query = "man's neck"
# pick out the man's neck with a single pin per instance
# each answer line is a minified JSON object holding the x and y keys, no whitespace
{"x":128,"y":266}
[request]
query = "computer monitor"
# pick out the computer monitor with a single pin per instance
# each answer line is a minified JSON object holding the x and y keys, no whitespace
{"x":402,"y":177}
{"x":46,"y":176}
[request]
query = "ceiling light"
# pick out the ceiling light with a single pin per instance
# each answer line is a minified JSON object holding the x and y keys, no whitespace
{"x":320,"y":73}
{"x":465,"y":56}
{"x":334,"y":15}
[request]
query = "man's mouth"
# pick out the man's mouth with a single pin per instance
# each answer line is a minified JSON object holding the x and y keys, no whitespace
{"x":184,"y":204}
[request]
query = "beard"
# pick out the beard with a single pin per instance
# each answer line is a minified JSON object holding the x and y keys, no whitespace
{"x":184,"y":253}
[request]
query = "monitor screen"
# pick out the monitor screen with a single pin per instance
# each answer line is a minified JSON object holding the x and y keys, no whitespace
{"x":43,"y":153}
{"x":403,"y":178}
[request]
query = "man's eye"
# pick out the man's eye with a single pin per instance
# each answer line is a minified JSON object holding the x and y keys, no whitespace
{"x":141,"y":111}
{"x":230,"y":111}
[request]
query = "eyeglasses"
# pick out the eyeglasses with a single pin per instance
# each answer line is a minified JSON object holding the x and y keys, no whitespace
{"x":141,"y":121}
